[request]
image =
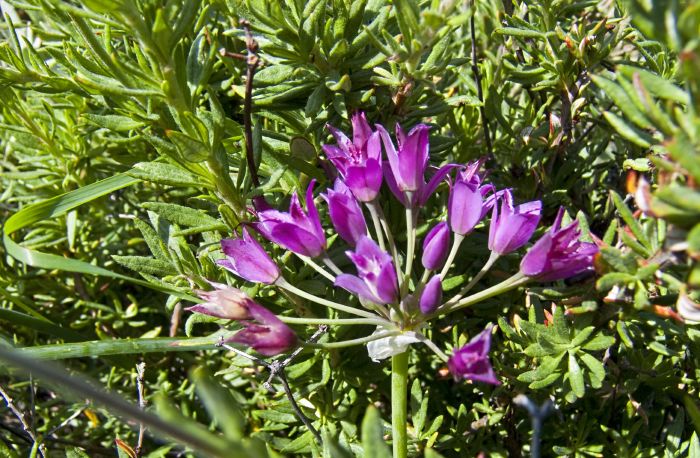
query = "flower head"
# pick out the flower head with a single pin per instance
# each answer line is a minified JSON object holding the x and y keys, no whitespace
{"x":431,"y":296}
{"x":559,"y":253}
{"x":223,"y":302}
{"x":513,"y":226}
{"x":436,"y":246}
{"x":472,"y":360}
{"x":296,"y":230}
{"x":406,"y":166}
{"x":466,"y":205}
{"x":263,"y":331}
{"x":359,"y":161}
{"x":345,"y":213}
{"x":376,"y":276}
{"x":247,"y":259}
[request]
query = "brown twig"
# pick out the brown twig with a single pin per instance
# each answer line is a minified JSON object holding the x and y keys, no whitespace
{"x":23,"y":421}
{"x":140,"y":371}
{"x":477,"y":80}
{"x":252,"y":61}
{"x":277,"y":371}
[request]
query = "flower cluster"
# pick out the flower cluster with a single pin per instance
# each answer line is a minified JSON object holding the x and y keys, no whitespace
{"x":391,"y":295}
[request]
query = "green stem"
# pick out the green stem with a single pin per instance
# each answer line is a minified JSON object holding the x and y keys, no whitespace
{"x":506,"y":285}
{"x":350,"y":343}
{"x":410,"y":246}
{"x":377,"y":225}
{"x":451,"y":257}
{"x":119,"y":347}
{"x":282,"y":283}
{"x":390,"y":238}
{"x":334,"y":321}
{"x":316,"y":267}
{"x":489,"y":263}
{"x":399,"y":397}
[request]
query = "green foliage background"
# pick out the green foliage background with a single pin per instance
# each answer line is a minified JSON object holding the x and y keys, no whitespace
{"x":148,"y":95}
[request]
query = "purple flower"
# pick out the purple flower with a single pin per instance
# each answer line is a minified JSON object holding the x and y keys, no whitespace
{"x":345,"y":213}
{"x":436,"y":246}
{"x":376,"y":277}
{"x":296,"y":231}
{"x":247,"y":259}
{"x":466,"y":206}
{"x":223,"y":302}
{"x":405,"y":169}
{"x":359,"y":161}
{"x":513,"y":226}
{"x":263,"y":331}
{"x":559,"y":253}
{"x":431,"y":296}
{"x":472,"y":360}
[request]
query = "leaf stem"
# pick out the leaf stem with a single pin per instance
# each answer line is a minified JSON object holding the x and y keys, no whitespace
{"x":374,"y":206}
{"x":489,"y":263}
{"x":316,"y":267}
{"x":410,"y":246}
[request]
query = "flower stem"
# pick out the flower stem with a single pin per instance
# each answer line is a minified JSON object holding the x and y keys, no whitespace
{"x":506,"y":285}
{"x":350,"y":343}
{"x":376,"y":208}
{"x":282,"y":283}
{"x":330,"y":264}
{"x":316,"y":267}
{"x":410,"y":246}
{"x":489,"y":263}
{"x":430,"y":344}
{"x":377,"y":225}
{"x":399,"y":396}
{"x":334,"y":321}
{"x":451,"y":257}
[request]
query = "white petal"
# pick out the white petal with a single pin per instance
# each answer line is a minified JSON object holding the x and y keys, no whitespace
{"x":389,"y":346}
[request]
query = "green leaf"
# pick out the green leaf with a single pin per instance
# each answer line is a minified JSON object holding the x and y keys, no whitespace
{"x":628,"y":132}
{"x":113,"y":122}
{"x":521,"y":33}
{"x":219,"y":403}
{"x":658,"y":86}
{"x":373,"y":435}
{"x":190,"y":149}
{"x":167,"y":174}
{"x":596,"y":368}
{"x":545,"y":382}
{"x":145,"y":265}
{"x":630,"y":220}
{"x":183,"y":216}
{"x":576,"y":377}
{"x":624,"y":103}
{"x":599,"y":342}
{"x":57,"y":206}
{"x":607,"y":281}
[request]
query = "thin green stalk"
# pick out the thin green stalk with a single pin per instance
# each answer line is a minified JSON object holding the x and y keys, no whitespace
{"x":377,"y":225}
{"x":430,"y":344}
{"x":487,"y":266}
{"x":410,"y":246}
{"x":390,"y":238}
{"x":506,"y":285}
{"x":119,"y":347}
{"x":352,"y":342}
{"x":282,"y":283}
{"x":399,"y":398}
{"x":334,"y":321}
{"x":316,"y":267}
{"x":330,"y":264}
{"x":451,"y":257}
